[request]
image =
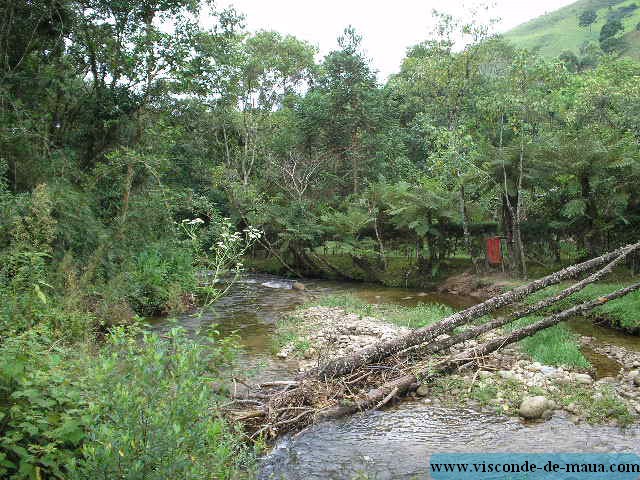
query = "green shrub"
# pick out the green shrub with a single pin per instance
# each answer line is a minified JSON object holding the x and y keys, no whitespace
{"x":143,"y":407}
{"x":42,"y":413}
{"x":158,"y":276}
{"x":156,"y":414}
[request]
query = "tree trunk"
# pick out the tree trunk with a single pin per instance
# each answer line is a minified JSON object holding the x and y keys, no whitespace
{"x":465,"y":229}
{"x":382,"y":350}
{"x":518,"y":216}
{"x":383,"y":394}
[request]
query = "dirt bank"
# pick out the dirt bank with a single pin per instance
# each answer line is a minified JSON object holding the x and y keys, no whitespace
{"x":481,"y":287}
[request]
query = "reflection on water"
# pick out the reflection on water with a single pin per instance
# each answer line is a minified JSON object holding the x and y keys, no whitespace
{"x":255,"y":302}
{"x":584,"y":326}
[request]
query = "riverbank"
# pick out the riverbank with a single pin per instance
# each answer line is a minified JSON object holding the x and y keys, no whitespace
{"x":510,"y":382}
{"x":455,"y":278}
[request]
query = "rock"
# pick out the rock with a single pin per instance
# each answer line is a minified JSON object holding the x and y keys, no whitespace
{"x":547,"y":414}
{"x":546,"y":370}
{"x":506,"y":374}
{"x":422,"y":391}
{"x":562,"y":379}
{"x":607,"y":380}
{"x":298,"y":286}
{"x":286,"y":351}
{"x":484,"y":374}
{"x":572,"y":407}
{"x":535,"y":407}
{"x":535,"y":366}
{"x":636,"y":380}
{"x":583,"y":379}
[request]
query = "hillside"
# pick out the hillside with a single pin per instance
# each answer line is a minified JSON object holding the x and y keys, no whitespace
{"x":558,"y":31}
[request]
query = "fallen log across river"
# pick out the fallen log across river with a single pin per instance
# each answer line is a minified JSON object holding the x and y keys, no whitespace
{"x":372,"y":377}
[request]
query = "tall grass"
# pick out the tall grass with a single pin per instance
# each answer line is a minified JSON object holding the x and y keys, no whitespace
{"x":556,"y":345}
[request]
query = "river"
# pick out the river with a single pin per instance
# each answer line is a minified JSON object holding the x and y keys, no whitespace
{"x":395,"y":443}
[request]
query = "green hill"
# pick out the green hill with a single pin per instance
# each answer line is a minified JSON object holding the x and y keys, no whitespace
{"x":558,"y":31}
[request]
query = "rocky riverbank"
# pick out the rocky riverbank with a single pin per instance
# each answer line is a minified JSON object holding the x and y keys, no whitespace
{"x":508,"y":382}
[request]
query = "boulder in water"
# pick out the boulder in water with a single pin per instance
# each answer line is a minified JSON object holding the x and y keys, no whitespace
{"x":422,"y":391}
{"x":298,"y":286}
{"x":536,"y":407}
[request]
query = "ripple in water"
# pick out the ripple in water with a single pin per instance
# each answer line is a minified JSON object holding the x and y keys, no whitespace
{"x":397,"y":444}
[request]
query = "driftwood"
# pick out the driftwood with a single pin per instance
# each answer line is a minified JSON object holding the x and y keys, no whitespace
{"x":395,"y":367}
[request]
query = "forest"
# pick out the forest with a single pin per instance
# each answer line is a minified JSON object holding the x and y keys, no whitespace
{"x":139,"y":148}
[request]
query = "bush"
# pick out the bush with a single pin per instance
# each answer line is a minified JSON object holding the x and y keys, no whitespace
{"x":156,"y":415}
{"x":143,"y":407}
{"x":158,"y":276}
{"x":42,"y":413}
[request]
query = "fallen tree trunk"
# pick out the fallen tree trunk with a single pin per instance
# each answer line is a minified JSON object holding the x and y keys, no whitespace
{"x":476,"y":331}
{"x":281,"y":406}
{"x":408,"y":382}
{"x":380,"y":351}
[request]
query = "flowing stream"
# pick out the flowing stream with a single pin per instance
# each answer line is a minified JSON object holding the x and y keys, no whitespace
{"x":395,"y":443}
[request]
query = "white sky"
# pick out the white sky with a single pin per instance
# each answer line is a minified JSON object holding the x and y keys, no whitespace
{"x":388,"y":27}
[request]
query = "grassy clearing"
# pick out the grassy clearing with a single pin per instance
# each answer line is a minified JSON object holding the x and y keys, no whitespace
{"x":558,"y":31}
{"x":556,"y":346}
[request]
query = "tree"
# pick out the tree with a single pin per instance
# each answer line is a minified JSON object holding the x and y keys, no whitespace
{"x":588,"y":18}
{"x":343,"y":106}
{"x":443,"y":83}
{"x":610,"y":41}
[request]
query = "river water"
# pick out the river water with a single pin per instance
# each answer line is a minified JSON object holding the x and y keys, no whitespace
{"x":395,"y":443}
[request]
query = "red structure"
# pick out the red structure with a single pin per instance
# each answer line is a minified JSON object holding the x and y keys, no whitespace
{"x":494,"y":254}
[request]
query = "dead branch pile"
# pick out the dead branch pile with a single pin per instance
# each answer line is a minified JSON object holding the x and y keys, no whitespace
{"x":372,"y":377}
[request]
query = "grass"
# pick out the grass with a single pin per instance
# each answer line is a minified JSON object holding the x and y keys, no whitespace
{"x":623,"y":312}
{"x":556,"y":346}
{"x":558,"y":31}
{"x":412,"y":317}
{"x":595,"y":406}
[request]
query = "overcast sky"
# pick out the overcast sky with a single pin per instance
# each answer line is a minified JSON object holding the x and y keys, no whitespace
{"x":388,"y":27}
